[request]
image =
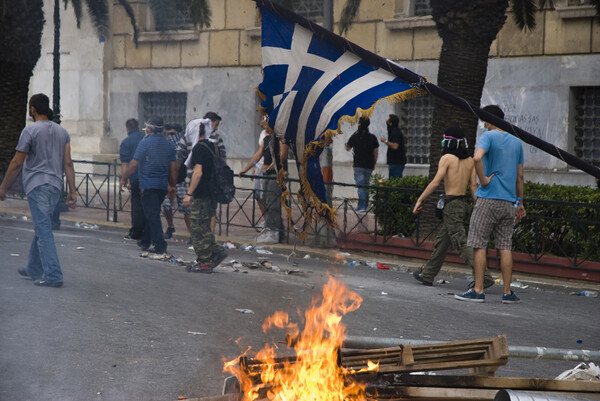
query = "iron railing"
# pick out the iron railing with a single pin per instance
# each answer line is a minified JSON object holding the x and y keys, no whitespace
{"x":553,"y":228}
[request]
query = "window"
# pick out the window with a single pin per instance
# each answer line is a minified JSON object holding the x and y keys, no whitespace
{"x":415,"y":120}
{"x":586,"y":124}
{"x":412,"y":8}
{"x":171,"y":106}
{"x":181,"y":20}
{"x":422,"y":8}
{"x":309,"y":9}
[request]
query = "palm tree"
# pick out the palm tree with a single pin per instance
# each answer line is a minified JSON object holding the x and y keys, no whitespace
{"x":467,"y":29}
{"x":21,"y":25}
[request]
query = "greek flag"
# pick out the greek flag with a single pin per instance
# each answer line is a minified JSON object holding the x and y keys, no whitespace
{"x":313,"y":81}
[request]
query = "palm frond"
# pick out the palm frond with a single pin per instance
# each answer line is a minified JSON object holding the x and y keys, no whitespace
{"x":131,"y":16}
{"x":98,"y":10}
{"x":201,"y":13}
{"x":523,"y":12}
{"x":348,"y":14}
{"x":77,"y":9}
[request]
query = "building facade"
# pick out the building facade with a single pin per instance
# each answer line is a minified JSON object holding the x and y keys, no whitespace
{"x":547,"y":80}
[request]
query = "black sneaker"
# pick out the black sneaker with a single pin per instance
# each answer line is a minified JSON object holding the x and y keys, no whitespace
{"x":221,"y":255}
{"x":487,"y":283}
{"x":169,"y":232}
{"x":44,"y":283}
{"x":156,"y":250}
{"x":23,"y":273}
{"x":419,"y":277}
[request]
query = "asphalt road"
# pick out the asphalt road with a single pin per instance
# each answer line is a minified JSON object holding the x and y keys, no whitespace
{"x":125,"y":327}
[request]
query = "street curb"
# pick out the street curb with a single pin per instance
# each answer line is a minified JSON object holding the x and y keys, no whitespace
{"x":407,"y":265}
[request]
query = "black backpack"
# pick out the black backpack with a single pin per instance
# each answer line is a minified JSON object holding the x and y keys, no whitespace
{"x":221,"y":183}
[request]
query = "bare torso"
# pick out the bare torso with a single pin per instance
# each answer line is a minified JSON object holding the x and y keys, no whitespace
{"x":457,"y":175}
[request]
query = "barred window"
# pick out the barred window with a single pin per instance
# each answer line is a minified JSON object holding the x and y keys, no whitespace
{"x":171,"y":106}
{"x":180,"y":20}
{"x":415,"y":120}
{"x":422,"y":8}
{"x":586,"y":124}
{"x":309,"y":9}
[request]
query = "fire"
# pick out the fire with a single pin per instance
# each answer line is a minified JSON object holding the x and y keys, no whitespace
{"x":314,"y":373}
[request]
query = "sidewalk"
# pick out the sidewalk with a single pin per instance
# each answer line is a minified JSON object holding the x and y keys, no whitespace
{"x":17,"y":208}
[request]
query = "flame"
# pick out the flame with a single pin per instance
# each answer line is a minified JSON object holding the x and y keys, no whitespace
{"x":314,"y":374}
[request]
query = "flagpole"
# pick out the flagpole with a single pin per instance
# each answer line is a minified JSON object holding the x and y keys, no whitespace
{"x":420,"y":82}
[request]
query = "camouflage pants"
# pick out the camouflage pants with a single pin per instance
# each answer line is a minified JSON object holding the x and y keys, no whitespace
{"x":453,"y":233}
{"x":203,"y":239}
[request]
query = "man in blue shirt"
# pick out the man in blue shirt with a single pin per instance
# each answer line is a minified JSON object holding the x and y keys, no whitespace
{"x":126,"y":151}
{"x":155,"y":157}
{"x":499,"y":167}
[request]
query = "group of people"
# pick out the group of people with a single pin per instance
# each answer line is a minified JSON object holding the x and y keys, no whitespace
{"x":498,"y":165}
{"x":156,"y":166}
{"x":365,"y":151}
{"x":162,"y":161}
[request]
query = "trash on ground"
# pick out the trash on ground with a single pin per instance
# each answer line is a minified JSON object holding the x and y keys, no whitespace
{"x":307,"y":256}
{"x":372,"y":265}
{"x":518,"y":284}
{"x":246,"y":247}
{"x":275,"y":268}
{"x":402,"y":268}
{"x":583,"y":371}
{"x":355,"y":263}
{"x":196,"y":333}
{"x":191,"y":247}
{"x":265,"y":263}
{"x":442,"y":281}
{"x":585,"y":293}
{"x":24,"y":218}
{"x":80,"y":248}
{"x":229,"y":245}
{"x":382,"y":266}
{"x":86,"y":226}
{"x":383,"y":293}
{"x":292,"y":272}
{"x":251,"y":265}
{"x":14,"y":254}
{"x":261,"y":251}
{"x":250,"y":311}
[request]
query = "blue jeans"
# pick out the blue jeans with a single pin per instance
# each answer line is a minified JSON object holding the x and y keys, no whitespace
{"x":361,"y":177}
{"x":43,"y":259}
{"x":395,"y":170}
{"x":152,"y":199}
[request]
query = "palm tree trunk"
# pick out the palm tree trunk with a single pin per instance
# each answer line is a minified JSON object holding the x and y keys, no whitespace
{"x":467,"y":29}
{"x":20,"y":48}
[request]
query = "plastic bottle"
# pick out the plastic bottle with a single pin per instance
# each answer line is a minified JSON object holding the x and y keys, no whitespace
{"x":586,"y":293}
{"x":517,"y":202}
{"x":355,"y":263}
{"x":441,"y":201}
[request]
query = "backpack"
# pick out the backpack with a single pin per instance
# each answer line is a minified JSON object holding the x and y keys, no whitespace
{"x":221,"y":183}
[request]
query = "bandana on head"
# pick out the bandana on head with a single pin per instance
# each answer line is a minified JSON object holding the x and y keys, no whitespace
{"x":453,"y":136}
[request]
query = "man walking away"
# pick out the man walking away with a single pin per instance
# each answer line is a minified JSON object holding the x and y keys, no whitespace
{"x":456,"y":169}
{"x":174,"y":135}
{"x":155,"y":156}
{"x":499,"y":166}
{"x":44,"y":154}
{"x":365,"y":150}
{"x":396,"y":153}
{"x":126,"y":152}
{"x":208,"y":253}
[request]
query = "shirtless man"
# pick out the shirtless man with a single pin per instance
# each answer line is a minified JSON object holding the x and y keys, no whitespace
{"x":457,"y":170}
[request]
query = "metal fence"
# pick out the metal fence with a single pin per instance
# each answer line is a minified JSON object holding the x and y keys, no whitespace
{"x":563,"y":229}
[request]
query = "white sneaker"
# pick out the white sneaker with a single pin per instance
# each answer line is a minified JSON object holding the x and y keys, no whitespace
{"x":268,"y":237}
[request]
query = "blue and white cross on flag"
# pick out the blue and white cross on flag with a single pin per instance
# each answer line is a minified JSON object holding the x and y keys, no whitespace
{"x":313,"y":80}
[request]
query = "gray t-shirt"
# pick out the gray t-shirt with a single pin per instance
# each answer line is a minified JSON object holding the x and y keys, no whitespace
{"x":44,"y":142}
